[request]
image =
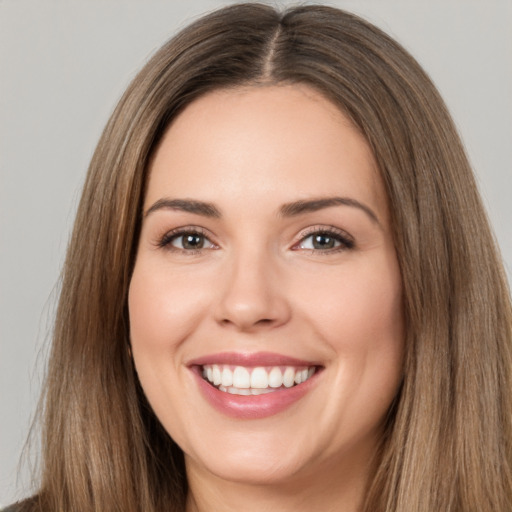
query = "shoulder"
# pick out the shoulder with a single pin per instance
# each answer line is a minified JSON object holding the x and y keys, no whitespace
{"x":26,"y":505}
{"x":12,"y":508}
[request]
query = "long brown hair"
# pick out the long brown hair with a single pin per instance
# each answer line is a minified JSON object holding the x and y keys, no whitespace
{"x":448,"y":439}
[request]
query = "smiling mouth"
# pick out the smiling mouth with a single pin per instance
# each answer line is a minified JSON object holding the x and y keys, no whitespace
{"x":243,"y":380}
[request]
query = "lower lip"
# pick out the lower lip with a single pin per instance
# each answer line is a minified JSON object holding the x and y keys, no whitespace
{"x":253,"y":406}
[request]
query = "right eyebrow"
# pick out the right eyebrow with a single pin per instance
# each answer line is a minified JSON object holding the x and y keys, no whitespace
{"x":185,"y":205}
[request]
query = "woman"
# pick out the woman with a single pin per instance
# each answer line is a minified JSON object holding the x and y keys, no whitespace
{"x":280,"y":206}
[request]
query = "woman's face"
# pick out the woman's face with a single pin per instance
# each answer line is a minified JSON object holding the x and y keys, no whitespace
{"x":265,"y":304}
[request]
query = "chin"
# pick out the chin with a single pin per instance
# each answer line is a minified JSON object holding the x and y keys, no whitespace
{"x":255,"y":463}
{"x":254,"y":472}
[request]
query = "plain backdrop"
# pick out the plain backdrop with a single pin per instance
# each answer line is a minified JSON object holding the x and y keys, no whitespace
{"x":63,"y":66}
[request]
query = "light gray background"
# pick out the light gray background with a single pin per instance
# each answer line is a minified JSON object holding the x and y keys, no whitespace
{"x":64,"y":64}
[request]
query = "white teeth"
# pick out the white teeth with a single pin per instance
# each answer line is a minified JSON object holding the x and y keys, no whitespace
{"x":259,"y":378}
{"x":261,"y":391}
{"x":227,"y":377}
{"x":301,"y":376}
{"x":216,"y":375}
{"x":289,"y":377}
{"x":275,"y":378}
{"x":238,"y":391}
{"x":240,"y":380}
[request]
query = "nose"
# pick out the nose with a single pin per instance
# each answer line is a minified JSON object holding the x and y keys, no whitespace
{"x":253,"y":295}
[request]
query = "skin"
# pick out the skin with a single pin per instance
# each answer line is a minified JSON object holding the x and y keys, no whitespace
{"x":258,"y":284}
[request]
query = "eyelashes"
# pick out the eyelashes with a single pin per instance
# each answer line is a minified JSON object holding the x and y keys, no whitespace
{"x":325,"y":240}
{"x":192,"y":240}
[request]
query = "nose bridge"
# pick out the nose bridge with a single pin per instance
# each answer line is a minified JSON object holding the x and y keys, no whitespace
{"x":252,"y":297}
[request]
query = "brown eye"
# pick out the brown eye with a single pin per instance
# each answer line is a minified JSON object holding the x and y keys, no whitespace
{"x":189,"y":241}
{"x":186,"y":241}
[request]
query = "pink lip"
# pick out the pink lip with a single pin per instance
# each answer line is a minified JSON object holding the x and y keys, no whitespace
{"x":248,"y":359}
{"x":253,"y":406}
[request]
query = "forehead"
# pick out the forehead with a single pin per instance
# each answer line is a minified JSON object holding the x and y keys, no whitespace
{"x":284,"y":141}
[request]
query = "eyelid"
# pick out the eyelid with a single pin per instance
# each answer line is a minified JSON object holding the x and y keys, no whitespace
{"x":165,"y":241}
{"x":347,"y":240}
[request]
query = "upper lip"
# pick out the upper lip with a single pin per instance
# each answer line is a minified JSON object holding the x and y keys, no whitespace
{"x":250,"y":359}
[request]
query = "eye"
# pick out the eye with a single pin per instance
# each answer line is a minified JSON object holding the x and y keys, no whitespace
{"x":326,"y":240}
{"x":186,"y":240}
{"x":190,"y":241}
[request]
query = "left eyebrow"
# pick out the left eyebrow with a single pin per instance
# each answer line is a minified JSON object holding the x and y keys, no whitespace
{"x":313,"y":205}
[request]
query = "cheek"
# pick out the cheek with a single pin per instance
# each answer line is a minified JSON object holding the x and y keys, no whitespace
{"x":363,"y":326}
{"x":163,"y":307}
{"x":161,"y":312}
{"x":362,"y":322}
{"x":360,"y":307}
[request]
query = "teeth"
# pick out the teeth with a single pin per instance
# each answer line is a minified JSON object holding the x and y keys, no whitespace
{"x":301,"y":376}
{"x":261,"y":391}
{"x":238,"y":391}
{"x":275,"y":378}
{"x":227,"y":377}
{"x":289,"y":377}
{"x":216,"y":375}
{"x":239,"y":380}
{"x":259,"y":378}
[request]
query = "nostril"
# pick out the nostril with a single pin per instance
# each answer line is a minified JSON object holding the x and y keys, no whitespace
{"x":261,"y":322}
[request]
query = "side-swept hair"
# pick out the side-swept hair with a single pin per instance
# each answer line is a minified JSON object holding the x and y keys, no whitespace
{"x":448,"y":437}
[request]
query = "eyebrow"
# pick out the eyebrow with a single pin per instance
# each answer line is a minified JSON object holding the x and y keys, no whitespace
{"x":313,"y":205}
{"x":185,"y":205}
{"x":292,"y":209}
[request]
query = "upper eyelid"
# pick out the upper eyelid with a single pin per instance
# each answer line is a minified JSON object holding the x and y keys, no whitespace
{"x":188,"y":229}
{"x":166,"y":238}
{"x":347,"y":241}
{"x":324,"y":229}
{"x":302,"y":235}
